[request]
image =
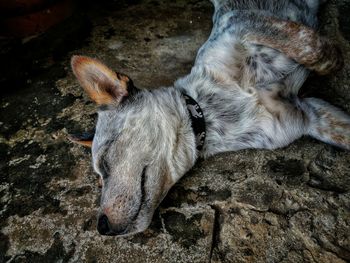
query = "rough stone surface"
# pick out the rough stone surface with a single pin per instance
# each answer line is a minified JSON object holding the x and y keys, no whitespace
{"x":288,"y":205}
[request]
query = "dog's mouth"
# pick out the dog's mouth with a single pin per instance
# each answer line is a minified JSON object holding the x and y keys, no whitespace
{"x":104,"y":226}
{"x":143,"y":193}
{"x":139,"y":224}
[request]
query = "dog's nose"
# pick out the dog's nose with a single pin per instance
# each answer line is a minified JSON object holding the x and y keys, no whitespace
{"x":104,"y":227}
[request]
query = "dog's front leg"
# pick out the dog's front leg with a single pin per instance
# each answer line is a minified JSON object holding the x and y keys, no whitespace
{"x":296,"y":41}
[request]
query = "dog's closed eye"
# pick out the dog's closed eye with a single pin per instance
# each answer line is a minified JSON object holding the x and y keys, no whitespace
{"x":104,"y":168}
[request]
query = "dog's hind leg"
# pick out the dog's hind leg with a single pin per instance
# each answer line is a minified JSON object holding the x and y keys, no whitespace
{"x":327,"y":123}
{"x":310,"y":116}
{"x":286,"y":121}
{"x":294,"y":117}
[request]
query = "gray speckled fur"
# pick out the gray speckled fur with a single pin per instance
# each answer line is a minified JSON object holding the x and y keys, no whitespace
{"x":248,"y":94}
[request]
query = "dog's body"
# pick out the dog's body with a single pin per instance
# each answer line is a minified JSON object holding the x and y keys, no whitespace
{"x":246,"y":79}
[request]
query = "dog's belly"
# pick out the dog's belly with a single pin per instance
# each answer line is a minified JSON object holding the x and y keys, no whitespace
{"x":228,"y":57}
{"x":230,"y":60}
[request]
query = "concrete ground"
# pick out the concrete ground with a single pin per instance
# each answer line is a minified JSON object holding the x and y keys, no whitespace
{"x":288,"y":205}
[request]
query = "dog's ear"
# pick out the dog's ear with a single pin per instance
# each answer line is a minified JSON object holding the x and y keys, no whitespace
{"x":103,"y":85}
{"x":84,"y":139}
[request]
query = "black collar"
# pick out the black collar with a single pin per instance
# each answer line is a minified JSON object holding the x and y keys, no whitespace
{"x":197,"y":119}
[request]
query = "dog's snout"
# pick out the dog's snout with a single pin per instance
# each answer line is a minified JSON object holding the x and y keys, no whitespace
{"x":104,"y":227}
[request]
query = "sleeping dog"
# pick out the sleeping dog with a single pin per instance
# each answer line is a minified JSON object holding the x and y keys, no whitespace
{"x":242,"y":92}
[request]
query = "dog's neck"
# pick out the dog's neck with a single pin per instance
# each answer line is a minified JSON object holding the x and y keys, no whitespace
{"x":197,"y":120}
{"x":229,"y":114}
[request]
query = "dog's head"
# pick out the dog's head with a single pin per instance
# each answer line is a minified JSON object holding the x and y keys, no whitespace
{"x":140,"y":148}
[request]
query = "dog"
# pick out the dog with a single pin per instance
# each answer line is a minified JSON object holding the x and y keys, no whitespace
{"x":242,"y":92}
